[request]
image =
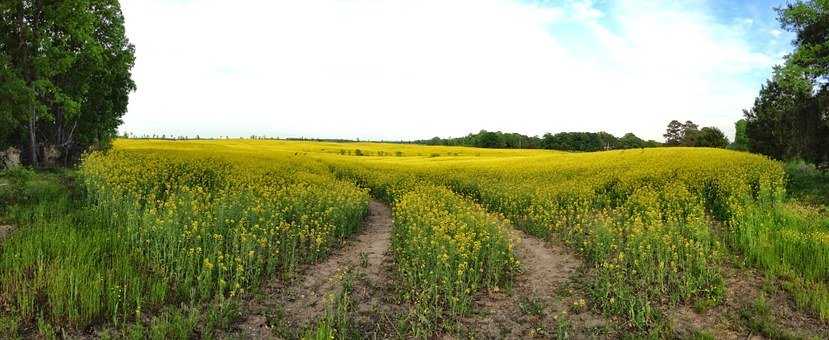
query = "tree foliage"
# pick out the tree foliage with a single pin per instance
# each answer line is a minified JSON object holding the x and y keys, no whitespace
{"x":567,"y":141}
{"x":689,"y":134}
{"x":630,"y":141}
{"x":488,"y":139}
{"x":711,"y":137}
{"x":740,"y":136}
{"x":789,"y":118}
{"x":65,"y":71}
{"x":674,"y":133}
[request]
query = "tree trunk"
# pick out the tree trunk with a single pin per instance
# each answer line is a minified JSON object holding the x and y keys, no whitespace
{"x":33,"y":139}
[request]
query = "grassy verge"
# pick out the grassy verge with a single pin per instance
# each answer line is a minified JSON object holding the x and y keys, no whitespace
{"x":808,"y":184}
{"x":789,"y":240}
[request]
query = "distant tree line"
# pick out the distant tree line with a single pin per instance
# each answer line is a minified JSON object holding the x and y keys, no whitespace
{"x":64,"y":76}
{"x":790,"y":116}
{"x":689,"y":134}
{"x":487,"y":139}
{"x":567,"y":141}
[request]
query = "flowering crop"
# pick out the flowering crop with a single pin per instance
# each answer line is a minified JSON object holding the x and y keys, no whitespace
{"x":642,"y":218}
{"x":165,"y":226}
{"x":167,"y":222}
{"x":446,"y":249}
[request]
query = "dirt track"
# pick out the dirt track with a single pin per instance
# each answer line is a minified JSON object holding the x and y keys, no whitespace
{"x":538,"y":304}
{"x":301,"y":302}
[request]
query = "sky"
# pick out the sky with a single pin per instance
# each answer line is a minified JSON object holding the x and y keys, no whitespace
{"x":402,"y":70}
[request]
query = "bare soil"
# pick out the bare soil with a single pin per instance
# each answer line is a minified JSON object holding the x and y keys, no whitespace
{"x":287,"y":308}
{"x":543,"y":303}
{"x":5,"y":230}
{"x":743,"y":287}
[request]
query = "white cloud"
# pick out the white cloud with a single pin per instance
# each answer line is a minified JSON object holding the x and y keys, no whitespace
{"x":414,"y":69}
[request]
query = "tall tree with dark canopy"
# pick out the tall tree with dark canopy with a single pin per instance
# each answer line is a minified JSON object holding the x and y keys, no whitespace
{"x":690,"y":133}
{"x":790,"y":117}
{"x":65,"y":67}
{"x":711,"y":137}
{"x":673,"y":135}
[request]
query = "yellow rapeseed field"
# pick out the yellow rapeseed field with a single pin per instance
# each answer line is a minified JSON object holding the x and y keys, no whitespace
{"x":206,"y":220}
{"x":643,"y":217}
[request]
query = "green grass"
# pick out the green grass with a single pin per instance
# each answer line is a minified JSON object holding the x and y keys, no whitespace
{"x":337,"y":323}
{"x":759,"y":319}
{"x":807,"y":184}
{"x":790,"y":241}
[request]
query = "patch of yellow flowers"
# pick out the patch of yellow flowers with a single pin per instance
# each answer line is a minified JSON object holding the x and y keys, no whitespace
{"x":446,"y":249}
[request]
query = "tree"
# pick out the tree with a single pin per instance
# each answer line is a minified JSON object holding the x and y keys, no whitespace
{"x":809,"y":20}
{"x":674,"y":134}
{"x":787,"y":120}
{"x":568,"y":141}
{"x":711,"y":137}
{"x":790,"y":116}
{"x":630,"y":141}
{"x":607,"y":141}
{"x":15,"y":98}
{"x":488,"y":139}
{"x":740,"y":136}
{"x":690,"y":133}
{"x":69,"y":65}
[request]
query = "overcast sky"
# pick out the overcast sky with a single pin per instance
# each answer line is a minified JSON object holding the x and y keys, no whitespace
{"x":415,"y":69}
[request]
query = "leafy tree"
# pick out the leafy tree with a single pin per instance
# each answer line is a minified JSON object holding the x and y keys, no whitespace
{"x":690,"y":133}
{"x":740,"y":136}
{"x":674,"y":134}
{"x":575,"y":141}
{"x":488,"y":139}
{"x":685,"y":134}
{"x":569,"y":141}
{"x":790,"y":116}
{"x":630,"y":141}
{"x":650,"y":143}
{"x":608,"y":141}
{"x":769,"y":121}
{"x":809,"y":20}
{"x":15,"y":98}
{"x":66,"y":67}
{"x":711,"y":137}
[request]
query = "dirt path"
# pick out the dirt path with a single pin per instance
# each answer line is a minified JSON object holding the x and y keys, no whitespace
{"x":5,"y":230}
{"x":541,"y":304}
{"x":285,"y":310}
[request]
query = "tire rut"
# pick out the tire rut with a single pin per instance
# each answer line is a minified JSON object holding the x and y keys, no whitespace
{"x":5,"y":230}
{"x":296,"y":304}
{"x":540,"y":300}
